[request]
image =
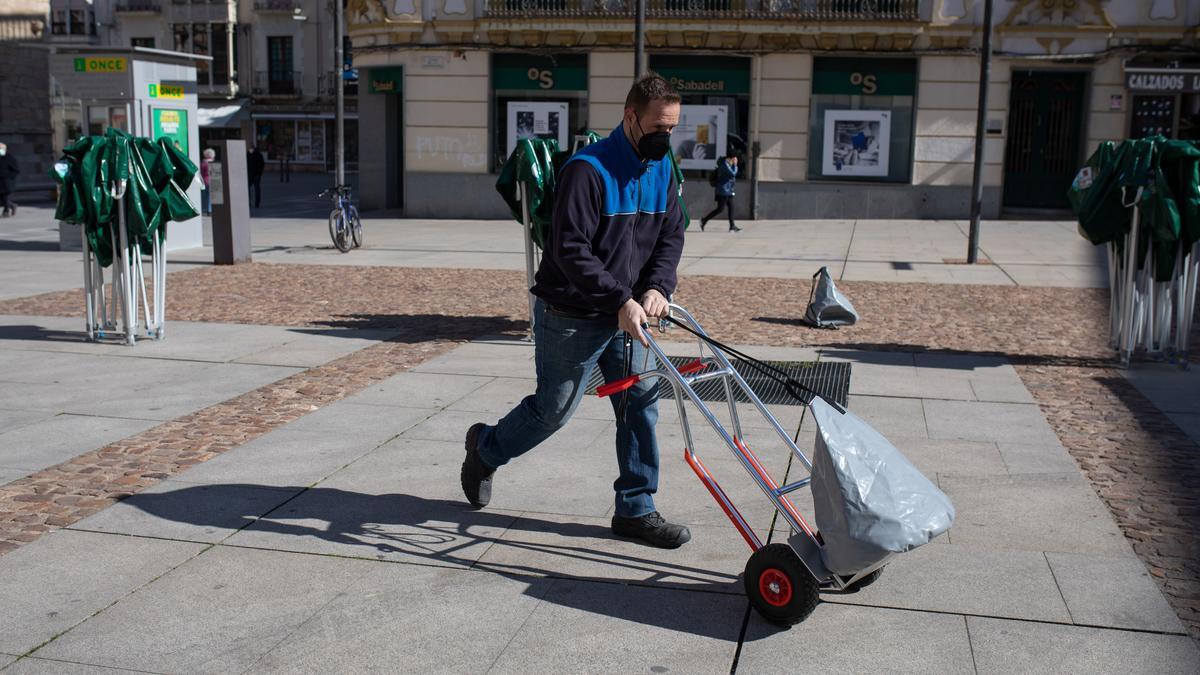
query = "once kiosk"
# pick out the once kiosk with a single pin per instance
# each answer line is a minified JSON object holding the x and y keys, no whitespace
{"x":145,"y":92}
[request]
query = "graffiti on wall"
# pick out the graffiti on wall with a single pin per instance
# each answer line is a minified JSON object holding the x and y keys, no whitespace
{"x":450,"y":152}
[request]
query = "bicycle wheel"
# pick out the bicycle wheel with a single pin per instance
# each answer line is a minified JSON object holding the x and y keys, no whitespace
{"x":356,"y":227}
{"x":337,"y":230}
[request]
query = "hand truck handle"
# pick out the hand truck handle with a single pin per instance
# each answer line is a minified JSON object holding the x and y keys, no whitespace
{"x":626,"y":382}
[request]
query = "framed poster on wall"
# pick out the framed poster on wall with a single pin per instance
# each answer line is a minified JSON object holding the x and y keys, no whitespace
{"x":856,"y":143}
{"x":701,"y":136}
{"x":537,"y":119}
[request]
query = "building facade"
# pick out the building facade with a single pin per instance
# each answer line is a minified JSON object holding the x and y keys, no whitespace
{"x":271,"y":79}
{"x":845,"y":108}
{"x":24,"y":114}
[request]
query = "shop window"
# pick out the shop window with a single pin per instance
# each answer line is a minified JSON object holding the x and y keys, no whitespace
{"x":861,"y":119}
{"x":537,"y":96}
{"x":715,"y":115}
{"x":276,"y":138}
{"x":147,"y":42}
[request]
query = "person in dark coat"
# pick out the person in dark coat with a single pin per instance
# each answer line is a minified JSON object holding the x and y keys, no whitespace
{"x":8,"y":180}
{"x":727,"y":170}
{"x":255,"y":164}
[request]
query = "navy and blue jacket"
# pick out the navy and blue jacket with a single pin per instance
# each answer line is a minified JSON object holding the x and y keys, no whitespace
{"x":617,"y":230}
{"x":726,"y":177}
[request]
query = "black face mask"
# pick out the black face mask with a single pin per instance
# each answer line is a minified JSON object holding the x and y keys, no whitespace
{"x":653,"y":146}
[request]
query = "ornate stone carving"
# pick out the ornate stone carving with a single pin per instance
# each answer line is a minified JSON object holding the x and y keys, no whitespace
{"x":1057,"y":14}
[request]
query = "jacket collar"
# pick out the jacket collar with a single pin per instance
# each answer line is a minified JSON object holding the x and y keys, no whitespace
{"x":628,"y":157}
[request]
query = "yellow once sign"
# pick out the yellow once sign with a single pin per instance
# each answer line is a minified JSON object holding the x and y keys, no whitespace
{"x":97,"y":64}
{"x":174,"y":91}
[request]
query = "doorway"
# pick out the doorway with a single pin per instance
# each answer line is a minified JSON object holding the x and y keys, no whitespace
{"x":1045,"y":132}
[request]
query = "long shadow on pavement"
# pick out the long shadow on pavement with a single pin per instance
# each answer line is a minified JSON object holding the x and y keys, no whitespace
{"x":412,"y":328}
{"x":437,"y":531}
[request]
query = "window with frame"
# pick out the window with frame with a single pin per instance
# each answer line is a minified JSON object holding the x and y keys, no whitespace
{"x":861,"y":119}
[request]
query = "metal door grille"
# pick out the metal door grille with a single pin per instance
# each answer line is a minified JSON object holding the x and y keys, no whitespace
{"x":830,"y":379}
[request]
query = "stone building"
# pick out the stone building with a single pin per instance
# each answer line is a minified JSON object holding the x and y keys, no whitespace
{"x":24,"y":111}
{"x":271,"y":79}
{"x":847,"y":108}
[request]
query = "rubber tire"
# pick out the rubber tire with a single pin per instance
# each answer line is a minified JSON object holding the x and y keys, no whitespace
{"x":337,"y":231}
{"x":864,"y":582}
{"x":805,"y":590}
{"x":356,"y":227}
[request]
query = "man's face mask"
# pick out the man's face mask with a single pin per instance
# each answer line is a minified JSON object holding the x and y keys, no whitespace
{"x":653,"y":146}
{"x":3,"y":152}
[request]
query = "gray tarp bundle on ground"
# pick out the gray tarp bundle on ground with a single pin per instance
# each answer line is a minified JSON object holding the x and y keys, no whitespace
{"x":827,"y":307}
{"x":870,"y":502}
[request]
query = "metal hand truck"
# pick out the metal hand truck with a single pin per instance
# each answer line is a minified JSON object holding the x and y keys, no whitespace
{"x":782,"y":580}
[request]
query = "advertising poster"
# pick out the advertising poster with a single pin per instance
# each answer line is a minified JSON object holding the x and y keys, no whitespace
{"x":537,"y":119}
{"x":701,"y":136}
{"x":172,"y":124}
{"x":856,"y":143}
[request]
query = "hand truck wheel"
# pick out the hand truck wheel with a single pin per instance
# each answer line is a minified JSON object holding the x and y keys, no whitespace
{"x":779,"y":586}
{"x":864,"y":582}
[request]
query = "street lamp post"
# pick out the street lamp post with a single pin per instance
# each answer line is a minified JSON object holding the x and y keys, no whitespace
{"x":340,"y":96}
{"x":985,"y":69}
{"x":639,"y":40}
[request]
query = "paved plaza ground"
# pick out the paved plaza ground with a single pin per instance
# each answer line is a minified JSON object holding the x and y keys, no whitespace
{"x":274,"y":487}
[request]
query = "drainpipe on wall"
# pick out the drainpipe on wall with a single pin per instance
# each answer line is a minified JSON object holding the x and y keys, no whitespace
{"x":755,"y":148}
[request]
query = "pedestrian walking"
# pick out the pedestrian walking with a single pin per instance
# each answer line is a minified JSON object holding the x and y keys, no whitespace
{"x":205,"y":197}
{"x":255,"y":164}
{"x":8,"y":180}
{"x":614,"y":244}
{"x":724,"y":182}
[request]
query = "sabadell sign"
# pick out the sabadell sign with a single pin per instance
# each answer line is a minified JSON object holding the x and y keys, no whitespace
{"x":1163,"y":81}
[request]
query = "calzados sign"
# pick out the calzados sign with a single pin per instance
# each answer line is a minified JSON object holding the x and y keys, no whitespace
{"x":1164,"y":81}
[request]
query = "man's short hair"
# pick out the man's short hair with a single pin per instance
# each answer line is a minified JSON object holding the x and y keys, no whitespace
{"x":650,"y":87}
{"x":731,"y":153}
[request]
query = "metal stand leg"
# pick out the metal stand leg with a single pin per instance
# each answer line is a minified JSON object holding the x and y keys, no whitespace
{"x":530,"y":251}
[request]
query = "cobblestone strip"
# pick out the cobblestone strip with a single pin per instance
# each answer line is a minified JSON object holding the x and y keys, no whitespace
{"x":1142,"y":465}
{"x":61,"y":495}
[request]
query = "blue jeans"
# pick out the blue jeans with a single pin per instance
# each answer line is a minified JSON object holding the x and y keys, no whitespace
{"x":565,"y":353}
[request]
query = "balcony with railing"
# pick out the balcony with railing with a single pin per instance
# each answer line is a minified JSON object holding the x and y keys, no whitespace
{"x":276,"y":6}
{"x":801,"y":10}
{"x":138,"y":7}
{"x":285,"y":84}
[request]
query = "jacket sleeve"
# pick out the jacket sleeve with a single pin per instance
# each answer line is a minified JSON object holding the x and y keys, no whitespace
{"x":660,"y":270}
{"x":578,"y":207}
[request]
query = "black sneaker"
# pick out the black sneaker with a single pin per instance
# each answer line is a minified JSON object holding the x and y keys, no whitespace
{"x":735,"y":228}
{"x":703,"y":222}
{"x":476,"y":476}
{"x":653,"y":529}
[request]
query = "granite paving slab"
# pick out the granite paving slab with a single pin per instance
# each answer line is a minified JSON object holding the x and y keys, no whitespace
{"x":11,"y":420}
{"x":63,"y":578}
{"x":419,"y":390}
{"x":32,"y":664}
{"x":966,"y":580}
{"x":220,"y":612}
{"x":604,"y":627}
{"x":49,"y":441}
{"x":847,"y":639}
{"x":584,"y":548}
{"x":1014,"y":646}
{"x":367,"y":422}
{"x":981,"y":421}
{"x":189,"y":512}
{"x":1045,"y":458}
{"x":285,"y":458}
{"x":394,"y":526}
{"x":1035,"y":512}
{"x":1112,"y":592}
{"x":411,"y":618}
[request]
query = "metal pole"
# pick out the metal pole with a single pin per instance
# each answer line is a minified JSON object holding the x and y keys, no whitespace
{"x":985,"y":70}
{"x":340,"y":96}
{"x":639,"y":40}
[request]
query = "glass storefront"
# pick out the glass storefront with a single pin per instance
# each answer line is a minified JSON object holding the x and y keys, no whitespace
{"x":1165,"y":98}
{"x":716,"y":106}
{"x":861,"y":119}
{"x":544,"y":96}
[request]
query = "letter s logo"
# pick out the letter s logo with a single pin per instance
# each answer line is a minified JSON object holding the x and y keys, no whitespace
{"x":869,"y":86}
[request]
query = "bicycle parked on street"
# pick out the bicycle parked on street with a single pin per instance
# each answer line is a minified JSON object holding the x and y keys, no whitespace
{"x":345,"y":227}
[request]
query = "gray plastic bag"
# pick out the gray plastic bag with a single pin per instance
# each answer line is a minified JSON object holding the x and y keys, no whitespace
{"x":827,"y":307}
{"x":870,"y":503}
